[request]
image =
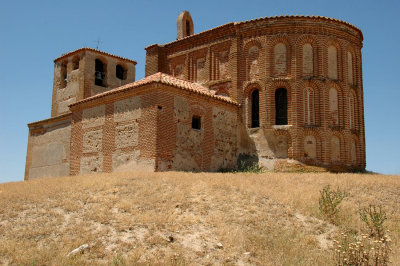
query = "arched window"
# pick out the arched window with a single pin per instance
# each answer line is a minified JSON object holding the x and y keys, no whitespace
{"x":255,"y":108}
{"x":308,"y":64}
{"x":99,"y":73}
{"x":120,"y":72}
{"x":281,"y":107}
{"x":75,"y":63}
{"x":309,"y":107}
{"x":332,"y":62}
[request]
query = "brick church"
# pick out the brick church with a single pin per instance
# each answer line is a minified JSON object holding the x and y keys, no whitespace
{"x":266,"y":90}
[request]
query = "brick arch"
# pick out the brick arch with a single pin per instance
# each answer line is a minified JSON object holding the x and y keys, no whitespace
{"x":300,"y":42}
{"x":278,"y":133}
{"x":75,"y":62}
{"x":104,"y":62}
{"x":352,"y":110}
{"x":340,"y":96}
{"x":318,"y":139}
{"x":342,"y":150}
{"x":350,"y":49}
{"x":252,"y":72}
{"x":356,"y":140}
{"x":197,"y":109}
{"x":270,"y":95}
{"x":247,"y":102}
{"x":285,"y":40}
{"x":317,"y":87}
{"x":335,"y":43}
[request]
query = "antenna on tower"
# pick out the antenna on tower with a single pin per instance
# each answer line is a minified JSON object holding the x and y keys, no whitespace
{"x":98,"y":43}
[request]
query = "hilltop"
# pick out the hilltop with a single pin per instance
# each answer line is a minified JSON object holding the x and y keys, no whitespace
{"x":187,"y":218}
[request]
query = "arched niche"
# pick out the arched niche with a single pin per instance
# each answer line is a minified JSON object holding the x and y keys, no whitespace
{"x":332,"y":62}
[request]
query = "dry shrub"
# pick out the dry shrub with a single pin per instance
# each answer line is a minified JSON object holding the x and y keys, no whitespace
{"x":362,"y":250}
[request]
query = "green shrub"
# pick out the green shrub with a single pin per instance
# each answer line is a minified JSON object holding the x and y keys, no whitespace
{"x":374,"y":217}
{"x":329,"y":202}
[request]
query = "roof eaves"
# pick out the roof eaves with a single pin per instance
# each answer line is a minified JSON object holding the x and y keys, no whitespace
{"x":93,"y":50}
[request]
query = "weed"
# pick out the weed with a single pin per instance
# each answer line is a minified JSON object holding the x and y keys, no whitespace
{"x":244,"y":168}
{"x":118,"y":260}
{"x":254,"y":168}
{"x":362,"y":250}
{"x":329,"y":202}
{"x":374,"y":217}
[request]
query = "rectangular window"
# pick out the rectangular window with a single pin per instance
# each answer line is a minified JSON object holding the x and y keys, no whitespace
{"x":196,"y":122}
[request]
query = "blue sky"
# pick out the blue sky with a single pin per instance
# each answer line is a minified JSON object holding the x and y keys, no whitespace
{"x":34,"y":33}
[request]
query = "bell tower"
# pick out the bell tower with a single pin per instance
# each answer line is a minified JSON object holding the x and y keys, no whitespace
{"x":86,"y":72}
{"x":184,"y":25}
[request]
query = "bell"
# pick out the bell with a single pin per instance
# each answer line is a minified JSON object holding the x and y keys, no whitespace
{"x":99,"y":75}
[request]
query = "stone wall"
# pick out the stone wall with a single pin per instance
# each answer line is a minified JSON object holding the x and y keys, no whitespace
{"x":48,"y":149}
{"x":118,"y":136}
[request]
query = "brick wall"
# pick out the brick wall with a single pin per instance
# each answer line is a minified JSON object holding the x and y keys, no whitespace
{"x":150,"y":129}
{"x":286,"y":52}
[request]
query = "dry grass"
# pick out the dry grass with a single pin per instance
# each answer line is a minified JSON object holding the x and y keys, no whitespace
{"x":268,"y":219}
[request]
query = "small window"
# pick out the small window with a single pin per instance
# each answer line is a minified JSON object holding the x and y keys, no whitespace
{"x":281,"y":107}
{"x":64,"y":75}
{"x":255,"y":109}
{"x":75,"y":63}
{"x":120,"y":72}
{"x":196,"y":122}
{"x":99,"y":73}
{"x":188,"y":28}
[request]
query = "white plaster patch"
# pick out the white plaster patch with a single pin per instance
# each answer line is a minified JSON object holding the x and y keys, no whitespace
{"x":92,"y":141}
{"x":188,"y":153}
{"x":92,"y":164}
{"x":127,"y":162}
{"x":94,"y":116}
{"x":127,"y":109}
{"x":310,"y":147}
{"x":253,"y":63}
{"x":181,"y":108}
{"x":127,"y":135}
{"x":224,"y":124}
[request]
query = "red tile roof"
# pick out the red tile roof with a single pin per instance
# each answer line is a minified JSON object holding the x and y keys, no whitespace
{"x":93,"y":50}
{"x":163,"y":79}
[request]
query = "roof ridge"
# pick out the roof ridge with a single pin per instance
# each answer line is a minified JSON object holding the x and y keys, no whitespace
{"x":164,"y":79}
{"x":93,"y":50}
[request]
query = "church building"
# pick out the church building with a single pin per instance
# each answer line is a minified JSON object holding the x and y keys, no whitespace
{"x":263,"y":91}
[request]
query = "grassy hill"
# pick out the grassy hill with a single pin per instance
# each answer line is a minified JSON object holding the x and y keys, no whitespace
{"x":177,"y":218}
